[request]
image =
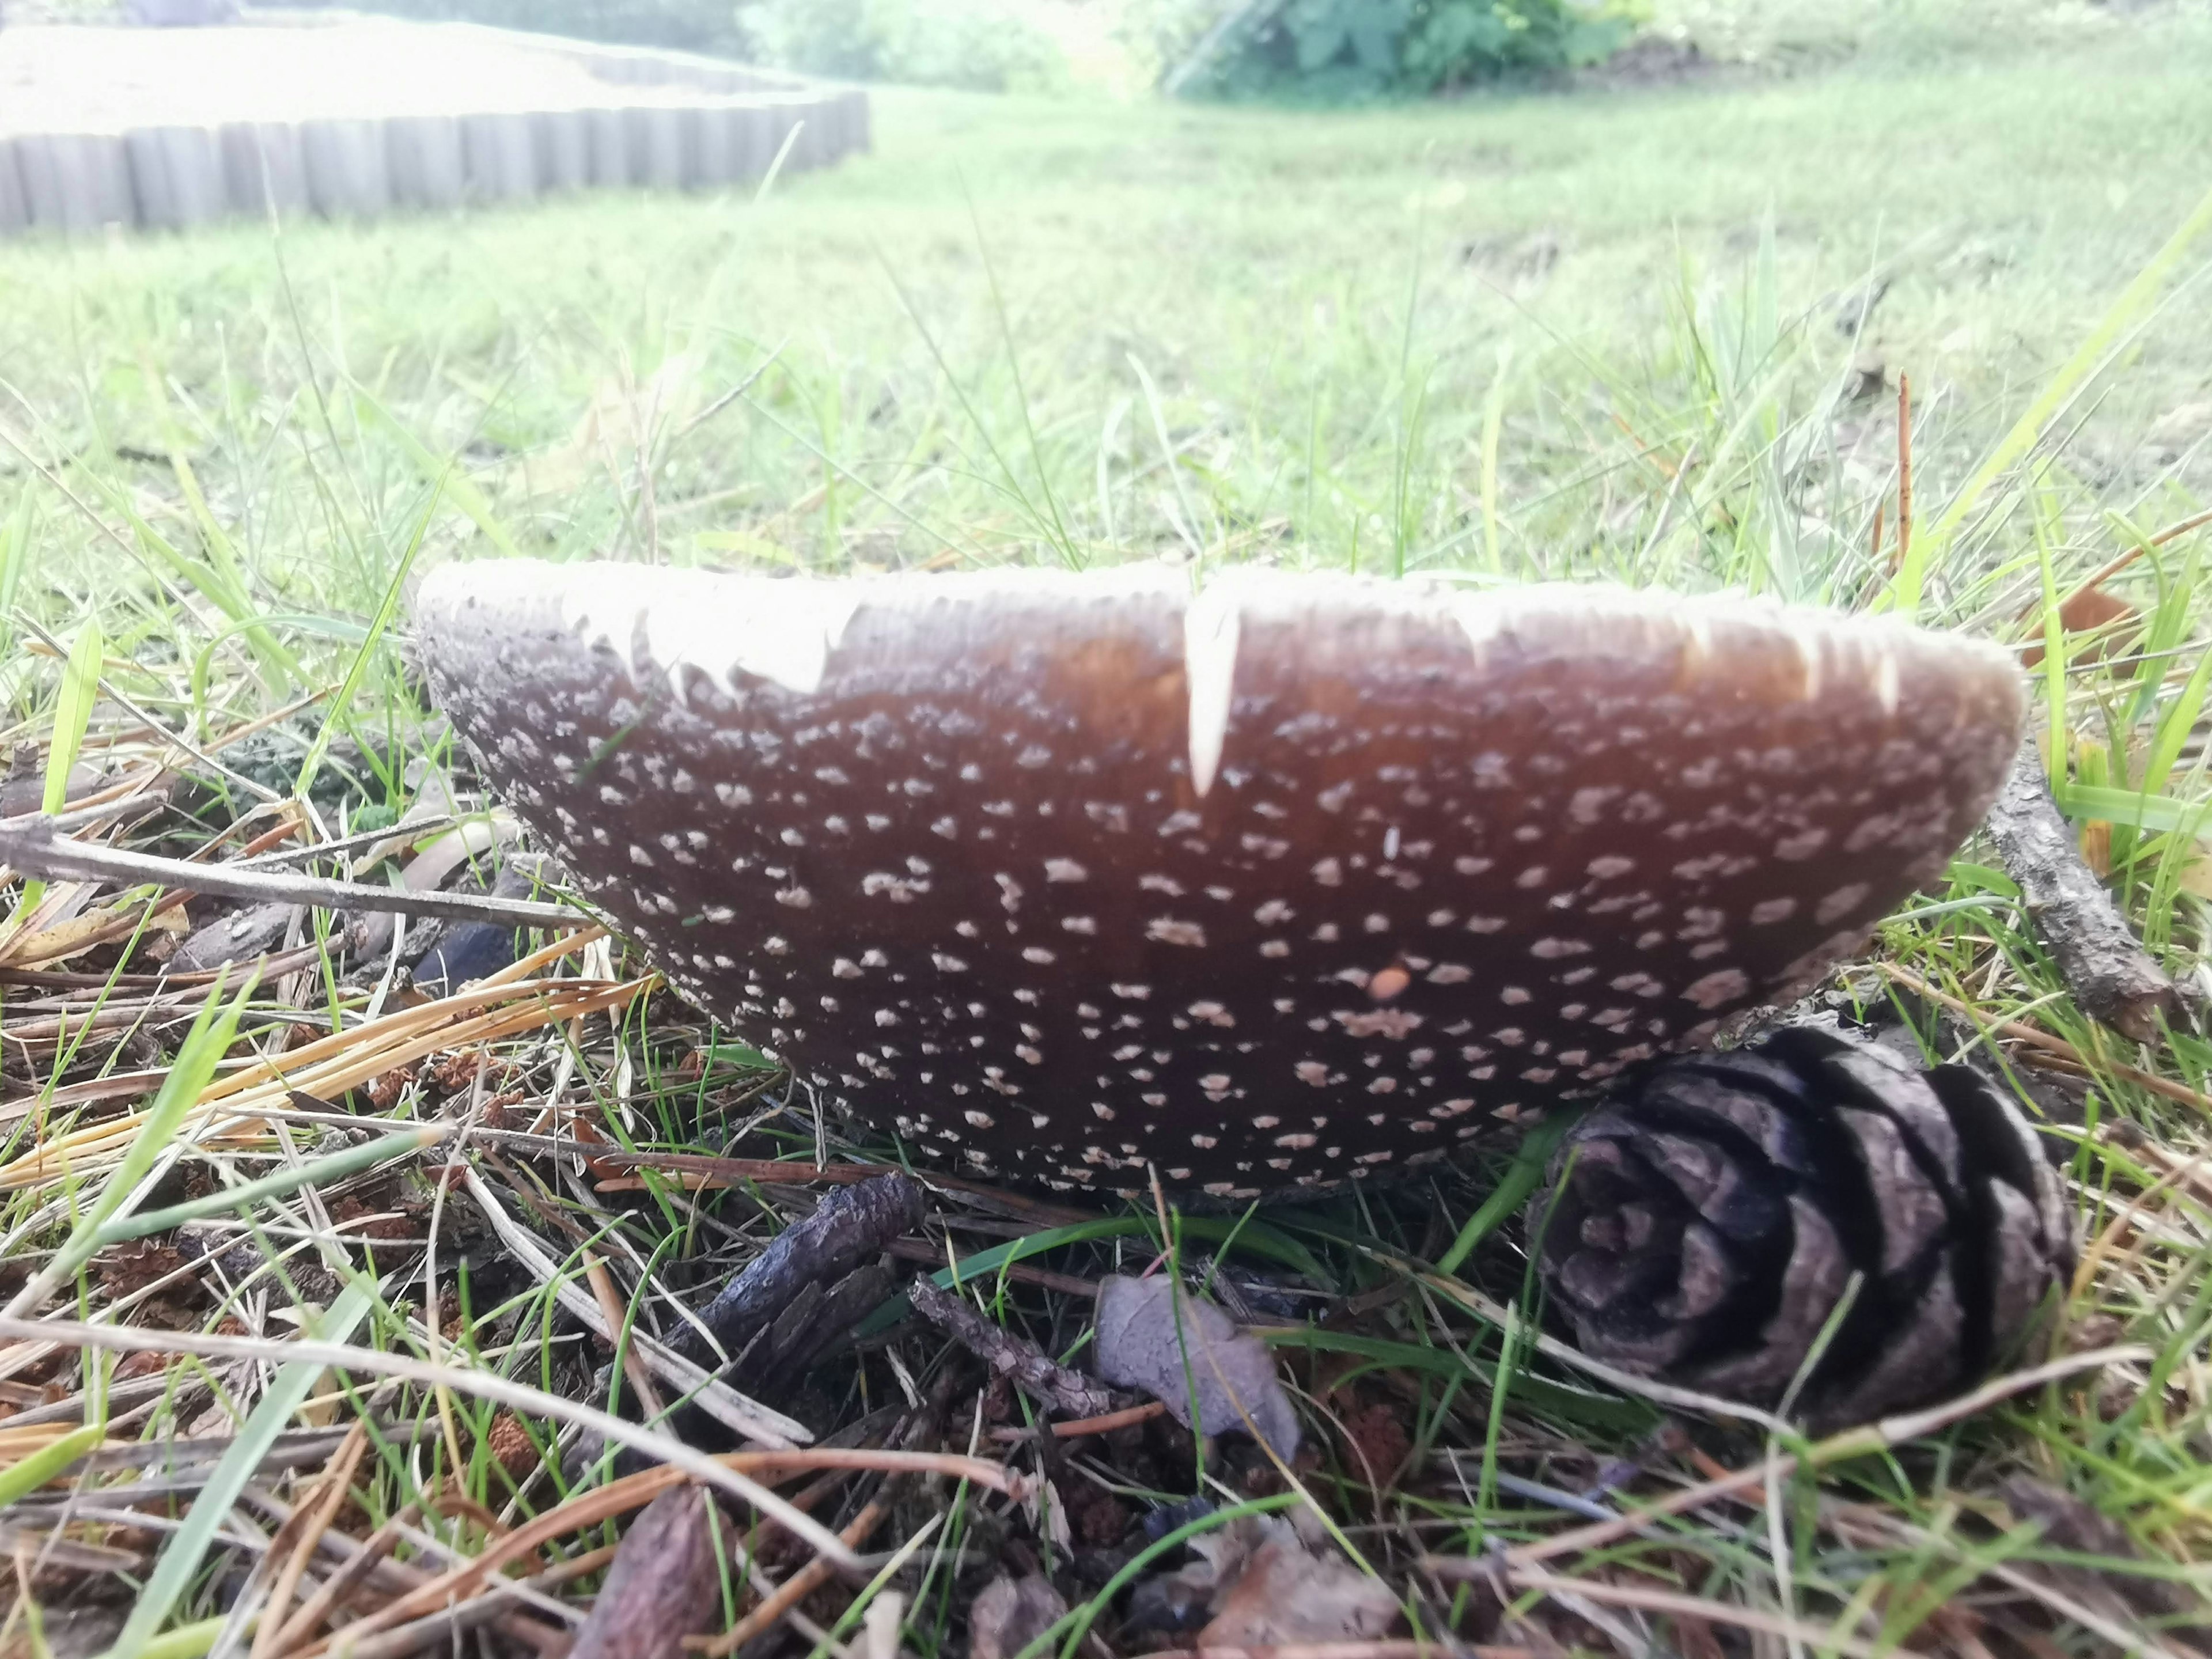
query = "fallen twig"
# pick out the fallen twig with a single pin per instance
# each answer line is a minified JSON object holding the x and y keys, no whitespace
{"x":1014,"y":1358}
{"x":2110,"y":975}
{"x":341,"y":1583}
{"x":722,"y":1172}
{"x":36,"y":848}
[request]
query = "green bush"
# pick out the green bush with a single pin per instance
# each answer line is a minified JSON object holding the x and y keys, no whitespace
{"x":1356,"y":48}
{"x":985,"y":45}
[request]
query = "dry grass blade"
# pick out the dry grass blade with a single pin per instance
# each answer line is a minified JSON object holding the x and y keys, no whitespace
{"x":691,"y":1380}
{"x":635,"y":1490}
{"x":1655,"y":1600}
{"x":1852,"y":1443}
{"x":515,"y":1395}
{"x":312,"y":1523}
{"x":327,"y":1068}
{"x":789,"y":1593}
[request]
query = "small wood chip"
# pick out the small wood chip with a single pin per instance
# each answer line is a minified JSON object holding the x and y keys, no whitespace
{"x":665,"y":1584}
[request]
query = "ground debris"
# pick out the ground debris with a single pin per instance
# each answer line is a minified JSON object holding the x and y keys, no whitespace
{"x":1258,"y":1582}
{"x":241,"y":935}
{"x":1010,"y":1614}
{"x":815,"y":1281}
{"x":665,"y":1582}
{"x":2072,"y":1526}
{"x":1147,"y":1329}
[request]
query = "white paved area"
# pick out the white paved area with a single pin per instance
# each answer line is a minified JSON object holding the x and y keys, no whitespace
{"x":77,"y":79}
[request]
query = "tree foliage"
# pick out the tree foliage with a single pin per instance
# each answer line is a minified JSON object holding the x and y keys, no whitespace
{"x":1354,"y":48}
{"x":988,"y":45}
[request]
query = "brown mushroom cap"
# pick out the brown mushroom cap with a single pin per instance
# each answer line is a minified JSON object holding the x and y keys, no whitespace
{"x":1298,"y":880}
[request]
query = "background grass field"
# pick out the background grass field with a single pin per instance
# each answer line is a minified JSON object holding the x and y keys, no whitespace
{"x":1654,"y":332}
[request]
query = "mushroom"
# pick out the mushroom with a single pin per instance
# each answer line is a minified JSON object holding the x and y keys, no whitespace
{"x":1298,"y":879}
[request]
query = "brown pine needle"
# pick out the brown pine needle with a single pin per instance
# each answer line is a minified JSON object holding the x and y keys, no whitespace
{"x":641,"y":1379}
{"x":337,"y":1479}
{"x":793,"y":1590}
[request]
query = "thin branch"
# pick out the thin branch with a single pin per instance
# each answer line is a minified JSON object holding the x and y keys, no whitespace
{"x":34,"y":847}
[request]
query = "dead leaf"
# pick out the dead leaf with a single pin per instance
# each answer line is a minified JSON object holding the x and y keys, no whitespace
{"x":1146,"y":1330}
{"x":1288,"y":1594}
{"x":77,"y":933}
{"x":1010,"y":1614}
{"x":1265,"y":1585}
{"x":1379,"y":1443}
{"x":2097,"y":847}
{"x":2113,"y":621}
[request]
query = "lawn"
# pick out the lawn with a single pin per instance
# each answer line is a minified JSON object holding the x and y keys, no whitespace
{"x":1657,"y":333}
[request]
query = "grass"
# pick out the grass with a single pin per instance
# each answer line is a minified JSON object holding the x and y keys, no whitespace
{"x":1654,"y":335}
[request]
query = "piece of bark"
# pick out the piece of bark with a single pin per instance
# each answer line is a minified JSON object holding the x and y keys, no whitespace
{"x":812,"y":1284}
{"x":2113,"y":979}
{"x":850,"y":1225}
{"x":1015,"y":1358}
{"x":665,"y":1584}
{"x":820,"y":1317}
{"x":252,"y":931}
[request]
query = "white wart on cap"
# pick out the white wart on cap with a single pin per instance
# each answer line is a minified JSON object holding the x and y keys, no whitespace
{"x":1306,"y":879}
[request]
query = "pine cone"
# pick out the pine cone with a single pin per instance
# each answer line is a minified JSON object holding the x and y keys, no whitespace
{"x":1718,"y":1204}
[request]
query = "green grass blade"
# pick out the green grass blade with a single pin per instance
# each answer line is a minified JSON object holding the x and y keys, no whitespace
{"x":1493,"y":431}
{"x":15,"y":545}
{"x":22,"y":1480}
{"x":1930,"y":543}
{"x":333,"y":1166}
{"x":443,"y":476}
{"x":367,"y":655}
{"x":1512,"y":1191}
{"x":73,"y":714}
{"x":72,"y":720}
{"x":204,"y":1046}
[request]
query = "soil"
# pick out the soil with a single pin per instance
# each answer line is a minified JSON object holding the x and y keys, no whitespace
{"x":1653,"y":60}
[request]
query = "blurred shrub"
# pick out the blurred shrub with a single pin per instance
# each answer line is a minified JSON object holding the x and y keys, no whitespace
{"x":1354,"y":48}
{"x":988,"y":45}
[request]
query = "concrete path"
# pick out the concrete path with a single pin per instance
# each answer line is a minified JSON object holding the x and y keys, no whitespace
{"x":355,"y":117}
